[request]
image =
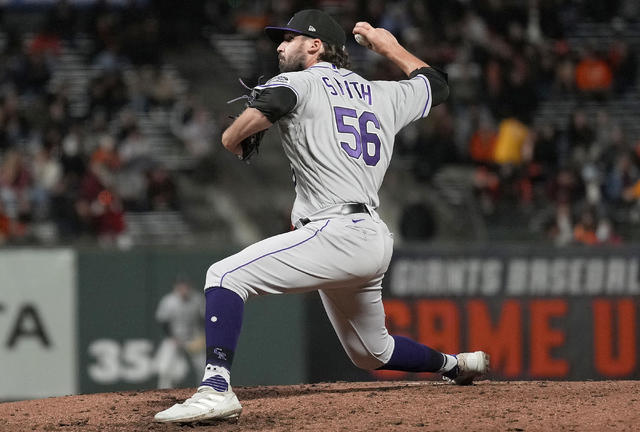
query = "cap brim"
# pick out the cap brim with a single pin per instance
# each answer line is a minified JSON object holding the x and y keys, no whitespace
{"x":276,"y":34}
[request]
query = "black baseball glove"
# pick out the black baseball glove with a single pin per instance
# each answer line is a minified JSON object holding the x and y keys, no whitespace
{"x":250,"y":144}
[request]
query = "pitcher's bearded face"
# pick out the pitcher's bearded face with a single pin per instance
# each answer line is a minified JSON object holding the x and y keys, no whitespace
{"x":292,"y":54}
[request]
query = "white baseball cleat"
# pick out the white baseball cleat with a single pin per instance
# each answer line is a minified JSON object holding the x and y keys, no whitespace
{"x":205,"y":404}
{"x":214,"y":400}
{"x":470,"y":366}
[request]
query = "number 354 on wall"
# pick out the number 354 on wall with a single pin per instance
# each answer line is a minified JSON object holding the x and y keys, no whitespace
{"x":130,"y":361}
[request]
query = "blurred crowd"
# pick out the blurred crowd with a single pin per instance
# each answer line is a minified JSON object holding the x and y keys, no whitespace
{"x":572,"y":180}
{"x":572,"y":177}
{"x":68,"y":175}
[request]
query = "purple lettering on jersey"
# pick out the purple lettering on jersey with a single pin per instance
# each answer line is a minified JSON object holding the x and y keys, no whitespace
{"x":366,"y":93}
{"x":340,"y":114}
{"x":362,"y":137}
{"x":369,"y":138}
{"x":355,"y":87}
{"x":363,"y":91}
{"x":346,"y":85}
{"x":328,"y":84}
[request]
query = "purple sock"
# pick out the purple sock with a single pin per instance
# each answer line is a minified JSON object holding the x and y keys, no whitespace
{"x":411,"y":356}
{"x":223,"y":321}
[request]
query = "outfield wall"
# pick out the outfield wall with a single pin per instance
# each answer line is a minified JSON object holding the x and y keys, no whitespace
{"x":80,"y":321}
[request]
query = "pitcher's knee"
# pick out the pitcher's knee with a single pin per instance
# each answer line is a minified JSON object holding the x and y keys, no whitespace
{"x":371,"y":353}
{"x":219,"y":276}
{"x":369,"y":362}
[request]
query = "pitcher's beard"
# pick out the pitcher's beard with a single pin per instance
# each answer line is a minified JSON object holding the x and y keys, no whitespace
{"x":292,"y":66}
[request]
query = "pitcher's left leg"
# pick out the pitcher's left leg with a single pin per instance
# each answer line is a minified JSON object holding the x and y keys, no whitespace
{"x":358,"y":319}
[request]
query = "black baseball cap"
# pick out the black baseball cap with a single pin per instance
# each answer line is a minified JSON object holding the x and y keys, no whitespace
{"x":313,"y":23}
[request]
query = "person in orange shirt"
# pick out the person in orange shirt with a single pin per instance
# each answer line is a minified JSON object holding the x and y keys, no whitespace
{"x":593,"y":74}
{"x":106,"y":153}
{"x":585,"y":230}
{"x":482,"y":144}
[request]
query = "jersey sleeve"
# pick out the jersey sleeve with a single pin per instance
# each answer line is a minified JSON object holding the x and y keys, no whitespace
{"x":438,"y":82}
{"x":274,"y":102}
{"x":281,"y":94}
{"x":412,"y":100}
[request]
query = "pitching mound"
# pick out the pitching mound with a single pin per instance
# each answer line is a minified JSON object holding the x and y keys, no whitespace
{"x":372,"y":406}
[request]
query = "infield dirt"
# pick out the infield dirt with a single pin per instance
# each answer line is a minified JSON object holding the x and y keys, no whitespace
{"x":342,"y":406}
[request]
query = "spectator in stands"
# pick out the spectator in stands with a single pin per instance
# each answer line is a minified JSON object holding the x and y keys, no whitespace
{"x":581,"y":136}
{"x":71,"y":152}
{"x":46,"y":42}
{"x":138,"y":92}
{"x":47,"y":173}
{"x":15,"y":181}
{"x":65,"y":211}
{"x":134,"y":150}
{"x":107,"y":217}
{"x":632,"y":192}
{"x":564,"y":79}
{"x":31,"y":73}
{"x":512,"y":139}
{"x":564,"y":187}
{"x":585,"y":230}
{"x":110,"y":59}
{"x":106,"y":154}
{"x":605,"y":232}
{"x":192,"y":123}
{"x":486,"y":184}
{"x":5,"y":226}
{"x":624,"y":65}
{"x":464,"y":78}
{"x":519,"y":97}
{"x":103,"y":24}
{"x":107,"y":93}
{"x":561,"y":228}
{"x":592,"y":181}
{"x":482,"y":144}
{"x":493,"y":84}
{"x":164,"y":92}
{"x":161,"y":189}
{"x":593,"y":74}
{"x":15,"y":184}
{"x":547,"y":148}
{"x":440,"y":150}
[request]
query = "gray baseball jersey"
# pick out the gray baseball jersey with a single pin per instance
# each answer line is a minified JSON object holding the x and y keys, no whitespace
{"x":339,"y":136}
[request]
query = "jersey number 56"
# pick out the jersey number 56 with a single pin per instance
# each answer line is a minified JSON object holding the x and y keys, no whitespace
{"x":367,"y":144}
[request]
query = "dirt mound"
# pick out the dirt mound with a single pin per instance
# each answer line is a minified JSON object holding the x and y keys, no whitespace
{"x":371,"y":406}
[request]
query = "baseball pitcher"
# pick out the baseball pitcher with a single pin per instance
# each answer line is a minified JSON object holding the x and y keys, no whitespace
{"x":337,"y":130}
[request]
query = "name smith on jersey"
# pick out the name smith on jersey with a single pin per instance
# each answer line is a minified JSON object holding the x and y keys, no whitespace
{"x":363,"y":91}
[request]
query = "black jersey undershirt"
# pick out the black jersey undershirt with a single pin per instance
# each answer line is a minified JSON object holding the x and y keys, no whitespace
{"x":439,"y":83}
{"x":276,"y":102}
